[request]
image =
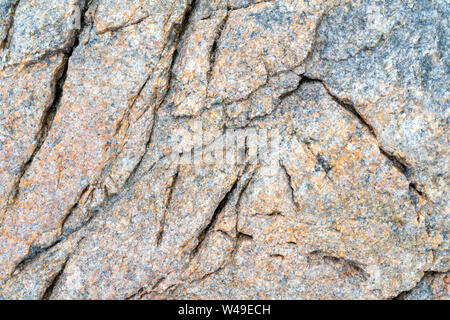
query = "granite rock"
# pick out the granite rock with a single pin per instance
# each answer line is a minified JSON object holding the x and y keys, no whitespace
{"x":433,"y":286}
{"x":224,"y":149}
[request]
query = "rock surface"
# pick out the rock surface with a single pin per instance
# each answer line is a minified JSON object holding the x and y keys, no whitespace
{"x":224,"y":149}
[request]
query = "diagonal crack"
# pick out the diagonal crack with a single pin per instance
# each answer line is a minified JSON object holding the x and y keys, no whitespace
{"x":5,"y":42}
{"x":167,"y":208}
{"x":45,"y":127}
{"x":50,"y":112}
{"x":55,"y":280}
{"x":221,"y":205}
{"x":138,"y":294}
{"x":34,"y":252}
{"x":124,"y":25}
{"x":175,"y":36}
{"x":213,"y":52}
{"x":179,"y":30}
{"x":239,"y":238}
{"x":250,"y":5}
{"x":396,"y":161}
{"x":49,"y":290}
{"x":290,"y":185}
{"x":75,"y":206}
{"x":240,"y":195}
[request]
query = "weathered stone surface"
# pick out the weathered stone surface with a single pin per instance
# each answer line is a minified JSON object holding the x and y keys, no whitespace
{"x":399,"y":88}
{"x":26,"y":99}
{"x":193,"y":149}
{"x":433,"y":286}
{"x":7,"y":9}
{"x":36,"y":29}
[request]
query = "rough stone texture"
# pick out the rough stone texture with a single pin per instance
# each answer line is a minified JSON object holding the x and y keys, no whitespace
{"x":129,"y":168}
{"x":433,"y":286}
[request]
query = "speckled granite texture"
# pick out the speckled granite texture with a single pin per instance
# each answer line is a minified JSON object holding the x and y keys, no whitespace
{"x":224,"y":149}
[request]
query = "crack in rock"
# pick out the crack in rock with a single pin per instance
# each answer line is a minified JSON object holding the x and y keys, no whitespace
{"x":106,"y":211}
